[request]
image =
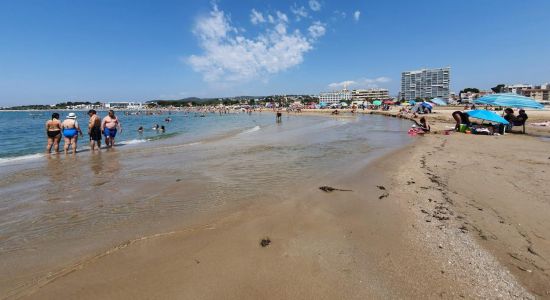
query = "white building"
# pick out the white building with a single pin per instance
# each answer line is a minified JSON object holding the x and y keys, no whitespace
{"x":124,"y":105}
{"x":516,"y":88}
{"x":370,"y":94}
{"x":335,"y":97}
{"x":426,"y":84}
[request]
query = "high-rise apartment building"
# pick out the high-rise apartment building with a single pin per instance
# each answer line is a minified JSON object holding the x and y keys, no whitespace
{"x":426,"y":83}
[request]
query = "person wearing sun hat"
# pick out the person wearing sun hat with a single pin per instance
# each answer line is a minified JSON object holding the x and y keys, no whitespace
{"x":71,"y":130}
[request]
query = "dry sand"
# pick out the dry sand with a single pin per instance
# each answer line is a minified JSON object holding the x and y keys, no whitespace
{"x":449,"y":216}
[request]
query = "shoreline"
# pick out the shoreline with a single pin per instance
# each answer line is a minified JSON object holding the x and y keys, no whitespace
{"x":443,"y":234}
{"x":331,"y":239}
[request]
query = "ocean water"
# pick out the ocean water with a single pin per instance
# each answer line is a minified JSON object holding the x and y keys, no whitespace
{"x":23,"y":134}
{"x":59,"y":210}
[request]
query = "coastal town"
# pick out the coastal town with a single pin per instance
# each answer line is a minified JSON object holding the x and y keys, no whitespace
{"x":304,"y":149}
{"x":418,"y":85}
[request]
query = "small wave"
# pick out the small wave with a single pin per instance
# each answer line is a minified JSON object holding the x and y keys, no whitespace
{"x":193,"y":144}
{"x":131,"y":142}
{"x":254,"y":129}
{"x":20,"y":158}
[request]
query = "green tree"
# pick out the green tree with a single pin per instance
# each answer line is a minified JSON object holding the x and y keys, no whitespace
{"x":470,"y":90}
{"x":498,"y":88}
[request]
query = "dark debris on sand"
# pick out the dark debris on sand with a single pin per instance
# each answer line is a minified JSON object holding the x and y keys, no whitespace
{"x":328,"y":189}
{"x":265,"y":242}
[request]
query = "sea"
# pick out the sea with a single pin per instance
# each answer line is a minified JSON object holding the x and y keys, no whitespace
{"x":24,"y":137}
{"x":58,"y":210}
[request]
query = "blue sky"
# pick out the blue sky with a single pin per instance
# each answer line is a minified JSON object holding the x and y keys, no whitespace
{"x":53,"y":51}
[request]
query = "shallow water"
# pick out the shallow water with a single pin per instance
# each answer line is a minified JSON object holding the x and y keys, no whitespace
{"x":28,"y":140}
{"x":58,"y":209}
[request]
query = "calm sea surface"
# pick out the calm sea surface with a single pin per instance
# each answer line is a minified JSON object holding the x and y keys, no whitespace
{"x":23,"y":135}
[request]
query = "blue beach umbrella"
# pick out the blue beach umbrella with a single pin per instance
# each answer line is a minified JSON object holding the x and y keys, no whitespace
{"x":487,"y":116}
{"x":322,"y":104}
{"x":439,"y":101}
{"x":412,"y":102}
{"x":509,"y":100}
{"x":426,"y":104}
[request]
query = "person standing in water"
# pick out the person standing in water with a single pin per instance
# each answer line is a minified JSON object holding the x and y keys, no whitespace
{"x":109,"y":127}
{"x":53,"y":131}
{"x":94,"y":130}
{"x":279,"y":118}
{"x":71,"y":130}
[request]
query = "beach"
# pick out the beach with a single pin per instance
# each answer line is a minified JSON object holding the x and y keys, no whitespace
{"x":434,"y":216}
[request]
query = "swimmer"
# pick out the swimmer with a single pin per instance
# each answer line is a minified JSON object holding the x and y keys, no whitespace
{"x":71,"y":130}
{"x":94,"y":130}
{"x":53,"y":132}
{"x":109,"y":127}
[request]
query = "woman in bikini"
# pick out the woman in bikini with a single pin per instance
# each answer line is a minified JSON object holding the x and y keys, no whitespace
{"x":71,"y":130}
{"x":53,"y":131}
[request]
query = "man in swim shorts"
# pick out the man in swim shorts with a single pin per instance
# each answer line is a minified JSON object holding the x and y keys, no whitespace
{"x":109,"y":127}
{"x":94,"y":130}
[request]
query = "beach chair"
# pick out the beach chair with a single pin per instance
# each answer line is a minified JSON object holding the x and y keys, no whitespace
{"x":522,"y":124}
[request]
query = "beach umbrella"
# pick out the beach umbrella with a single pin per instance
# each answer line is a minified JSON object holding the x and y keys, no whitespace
{"x":343,"y":104}
{"x":405,"y":103}
{"x":509,"y":100}
{"x":487,"y":116}
{"x":426,"y":104}
{"x":412,"y":102}
{"x":377,"y":102}
{"x":439,"y":101}
{"x":322,"y":104}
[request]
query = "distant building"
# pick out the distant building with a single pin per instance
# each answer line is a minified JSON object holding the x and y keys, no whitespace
{"x":124,"y":105}
{"x":516,"y":88}
{"x":426,"y":83}
{"x":370,"y":94}
{"x":469,"y":97}
{"x":335,"y":97}
{"x":540,"y":93}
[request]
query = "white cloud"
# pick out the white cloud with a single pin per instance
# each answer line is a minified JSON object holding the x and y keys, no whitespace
{"x":299,"y":12}
{"x":282,"y":17}
{"x":339,"y":85}
{"x":378,"y":80}
{"x":356,"y":15}
{"x":338,"y":15}
{"x":256,"y":17}
{"x":360,"y":83}
{"x":229,"y":57}
{"x":317,"y":30}
{"x":314,"y":5}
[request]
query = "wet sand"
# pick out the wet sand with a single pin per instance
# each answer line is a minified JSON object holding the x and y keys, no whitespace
{"x":443,"y":217}
{"x":366,"y":243}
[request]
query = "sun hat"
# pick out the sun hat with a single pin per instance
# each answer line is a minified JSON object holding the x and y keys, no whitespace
{"x":71,"y":116}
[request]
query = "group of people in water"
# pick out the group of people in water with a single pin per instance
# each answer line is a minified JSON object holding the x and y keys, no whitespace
{"x":70,"y":130}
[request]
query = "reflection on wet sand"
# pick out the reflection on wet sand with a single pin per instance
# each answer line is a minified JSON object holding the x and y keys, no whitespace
{"x":105,"y":167}
{"x":97,"y":200}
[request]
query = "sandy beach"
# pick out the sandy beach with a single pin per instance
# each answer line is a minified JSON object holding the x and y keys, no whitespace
{"x":447,"y":216}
